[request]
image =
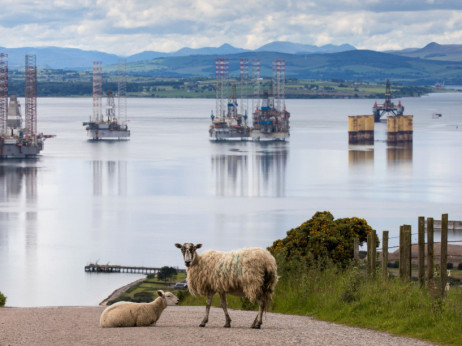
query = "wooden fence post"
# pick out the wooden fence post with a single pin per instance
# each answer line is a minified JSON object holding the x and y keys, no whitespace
{"x":356,"y":249}
{"x":407,"y":273}
{"x":421,"y":251}
{"x":401,"y":252}
{"x":369,"y":253}
{"x":430,"y":267}
{"x":444,"y":253}
{"x":385,"y":254}
{"x":373,"y":253}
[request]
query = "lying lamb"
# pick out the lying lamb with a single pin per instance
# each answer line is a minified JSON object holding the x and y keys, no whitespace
{"x":128,"y":314}
{"x":250,"y":273}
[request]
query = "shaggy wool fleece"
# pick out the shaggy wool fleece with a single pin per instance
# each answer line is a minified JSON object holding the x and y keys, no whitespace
{"x":250,"y":272}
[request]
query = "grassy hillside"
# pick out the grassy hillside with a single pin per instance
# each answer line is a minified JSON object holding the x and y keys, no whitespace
{"x":352,"y":65}
{"x":435,"y":51}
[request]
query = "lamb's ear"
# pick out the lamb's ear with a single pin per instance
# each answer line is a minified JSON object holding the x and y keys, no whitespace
{"x":178,"y":245}
{"x":198,"y":246}
{"x":160,"y":293}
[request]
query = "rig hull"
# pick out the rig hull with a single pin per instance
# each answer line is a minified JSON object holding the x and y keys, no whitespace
{"x":112,"y":131}
{"x":12,"y":148}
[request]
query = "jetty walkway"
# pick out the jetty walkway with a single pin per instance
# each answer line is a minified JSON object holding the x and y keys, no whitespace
{"x":108,"y":268}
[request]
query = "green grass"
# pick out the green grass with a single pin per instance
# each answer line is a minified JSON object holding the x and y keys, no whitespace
{"x":146,"y":290}
{"x":346,"y":296}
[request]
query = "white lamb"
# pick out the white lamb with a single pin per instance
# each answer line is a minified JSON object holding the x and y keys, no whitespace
{"x":128,"y":314}
{"x":250,"y":273}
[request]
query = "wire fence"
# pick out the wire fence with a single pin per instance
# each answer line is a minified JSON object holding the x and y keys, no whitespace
{"x":425,"y":247}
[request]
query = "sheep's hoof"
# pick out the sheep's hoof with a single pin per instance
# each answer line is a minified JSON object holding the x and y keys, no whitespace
{"x":202,"y":325}
{"x":227,"y":325}
{"x":255,"y":326}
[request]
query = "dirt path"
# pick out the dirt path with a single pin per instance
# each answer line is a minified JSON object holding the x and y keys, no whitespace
{"x":178,"y":325}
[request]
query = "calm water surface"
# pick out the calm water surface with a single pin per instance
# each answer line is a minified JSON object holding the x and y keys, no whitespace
{"x":128,"y":202}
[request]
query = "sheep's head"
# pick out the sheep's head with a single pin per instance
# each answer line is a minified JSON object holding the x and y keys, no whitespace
{"x":169,"y":297}
{"x":189,"y":252}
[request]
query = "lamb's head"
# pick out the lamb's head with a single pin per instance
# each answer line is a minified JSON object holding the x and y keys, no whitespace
{"x":169,"y":297}
{"x":189,"y":252}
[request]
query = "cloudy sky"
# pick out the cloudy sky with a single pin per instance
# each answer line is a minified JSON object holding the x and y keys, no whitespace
{"x":126,"y":27}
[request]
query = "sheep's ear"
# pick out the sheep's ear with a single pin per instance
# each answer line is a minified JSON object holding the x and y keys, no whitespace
{"x":198,"y":246}
{"x":178,"y":245}
{"x":160,"y":293}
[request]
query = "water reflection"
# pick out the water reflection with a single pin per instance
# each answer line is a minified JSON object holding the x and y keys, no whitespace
{"x":361,"y":155}
{"x":18,"y":184}
{"x":109,"y":177}
{"x":400,"y":155}
{"x":251,"y":171}
{"x":16,"y":180}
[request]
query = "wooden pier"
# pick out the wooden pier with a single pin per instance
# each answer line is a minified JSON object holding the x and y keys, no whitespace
{"x":452,"y":225}
{"x":108,"y":268}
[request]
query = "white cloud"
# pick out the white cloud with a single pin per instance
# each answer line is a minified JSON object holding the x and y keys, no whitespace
{"x":130,"y":26}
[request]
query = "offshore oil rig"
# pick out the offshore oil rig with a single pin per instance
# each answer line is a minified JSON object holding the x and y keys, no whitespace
{"x":399,"y":126}
{"x":388,"y":106}
{"x":19,"y":138}
{"x":270,"y":118}
{"x":112,"y":124}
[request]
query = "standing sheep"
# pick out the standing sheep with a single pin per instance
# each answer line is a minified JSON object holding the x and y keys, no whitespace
{"x":250,"y":273}
{"x":128,"y":314}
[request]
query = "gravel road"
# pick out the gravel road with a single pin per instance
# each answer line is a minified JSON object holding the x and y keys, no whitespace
{"x":179,"y":325}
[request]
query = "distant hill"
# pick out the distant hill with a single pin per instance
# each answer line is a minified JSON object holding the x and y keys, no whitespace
{"x":297,"y":48}
{"x":349,"y":65}
{"x":410,"y":66}
{"x":77,"y":59}
{"x":434,"y":51}
{"x":57,"y":58}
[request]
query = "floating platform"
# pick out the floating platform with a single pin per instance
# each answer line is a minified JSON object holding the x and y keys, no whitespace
{"x":360,"y":129}
{"x":106,"y":130}
{"x":399,"y":129}
{"x":20,"y":147}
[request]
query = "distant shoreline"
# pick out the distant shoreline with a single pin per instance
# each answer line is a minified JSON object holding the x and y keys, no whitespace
{"x":119,"y":291}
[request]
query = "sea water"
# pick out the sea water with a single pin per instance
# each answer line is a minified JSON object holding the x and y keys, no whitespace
{"x":128,"y":202}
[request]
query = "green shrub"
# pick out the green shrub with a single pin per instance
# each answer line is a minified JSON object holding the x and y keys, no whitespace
{"x":353,"y":281}
{"x":395,"y":264}
{"x":450,"y":265}
{"x":143,"y":297}
{"x":459,"y":266}
{"x":182,"y":295}
{"x":246,"y":304}
{"x":323,"y":237}
{"x":2,"y":299}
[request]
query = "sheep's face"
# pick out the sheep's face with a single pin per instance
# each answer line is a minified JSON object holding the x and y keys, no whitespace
{"x":189,"y":252}
{"x":169,"y":297}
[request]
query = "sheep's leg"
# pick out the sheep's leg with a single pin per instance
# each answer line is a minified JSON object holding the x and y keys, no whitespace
{"x":225,"y":309}
{"x":258,"y":320}
{"x":207,"y":310}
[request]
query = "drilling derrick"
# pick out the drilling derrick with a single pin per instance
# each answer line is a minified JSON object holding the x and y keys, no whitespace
{"x":221,"y":74}
{"x":110,"y":107}
{"x":31,"y":96}
{"x":244,"y":85}
{"x":3,"y":92}
{"x":122,"y":90}
{"x":279,"y":70}
{"x":97,"y":91}
{"x":388,"y":106}
{"x":256,"y":84}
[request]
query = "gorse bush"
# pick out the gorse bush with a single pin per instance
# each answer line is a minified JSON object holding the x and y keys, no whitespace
{"x":322,"y":237}
{"x":2,"y":299}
